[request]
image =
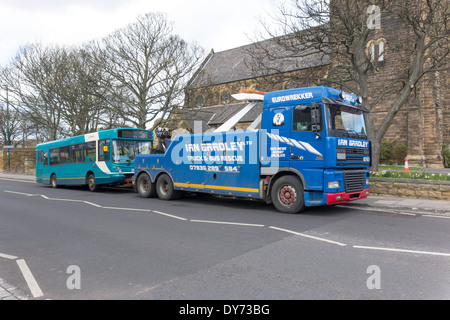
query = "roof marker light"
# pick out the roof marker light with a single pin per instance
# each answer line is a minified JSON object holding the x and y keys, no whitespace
{"x":253,"y":91}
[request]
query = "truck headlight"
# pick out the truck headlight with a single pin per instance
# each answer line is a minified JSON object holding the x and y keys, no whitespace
{"x":340,"y":154}
{"x":333,"y":184}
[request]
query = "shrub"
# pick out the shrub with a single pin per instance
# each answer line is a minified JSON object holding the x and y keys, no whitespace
{"x":393,"y":153}
{"x":386,"y":152}
{"x":446,"y":154}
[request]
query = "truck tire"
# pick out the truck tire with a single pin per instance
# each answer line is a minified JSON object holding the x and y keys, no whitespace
{"x":145,"y":187}
{"x":287,"y":195}
{"x":165,"y":188}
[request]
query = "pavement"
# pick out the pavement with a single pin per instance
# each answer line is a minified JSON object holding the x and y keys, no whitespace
{"x":10,"y":292}
{"x":405,"y":205}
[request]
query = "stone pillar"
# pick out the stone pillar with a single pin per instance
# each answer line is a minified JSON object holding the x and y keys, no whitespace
{"x":415,"y":136}
{"x":433,"y":120}
{"x":425,"y":125}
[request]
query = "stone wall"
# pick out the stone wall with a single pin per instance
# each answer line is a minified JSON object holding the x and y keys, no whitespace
{"x":22,"y":160}
{"x":410,"y":188}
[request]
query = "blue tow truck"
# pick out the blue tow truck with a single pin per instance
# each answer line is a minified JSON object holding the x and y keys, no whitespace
{"x":309,"y":147}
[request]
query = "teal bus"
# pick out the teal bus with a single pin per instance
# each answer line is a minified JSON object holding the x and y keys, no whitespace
{"x":95,"y":159}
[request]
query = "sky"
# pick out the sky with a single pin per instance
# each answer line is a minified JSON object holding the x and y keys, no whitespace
{"x":213,"y":24}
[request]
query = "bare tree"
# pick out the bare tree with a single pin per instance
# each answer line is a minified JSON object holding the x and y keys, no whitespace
{"x":79,"y":91}
{"x":13,"y":127}
{"x":339,"y":31}
{"x":32,"y":80}
{"x":145,"y":68}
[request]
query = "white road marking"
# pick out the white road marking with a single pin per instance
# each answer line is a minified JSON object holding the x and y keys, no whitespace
{"x":31,"y":281}
{"x":407,"y":213}
{"x":434,"y":216}
{"x":56,"y":199}
{"x":169,"y":215}
{"x":404,"y":250}
{"x":97,"y":205}
{"x":93,"y":204}
{"x":232,"y":223}
{"x":127,"y":209}
{"x":22,"y":193}
{"x":7,"y":256}
{"x":309,"y":236}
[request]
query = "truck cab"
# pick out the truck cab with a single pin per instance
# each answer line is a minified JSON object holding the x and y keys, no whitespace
{"x":318,"y":134}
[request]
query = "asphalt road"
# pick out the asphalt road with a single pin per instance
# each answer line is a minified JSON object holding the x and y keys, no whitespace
{"x":112,"y":244}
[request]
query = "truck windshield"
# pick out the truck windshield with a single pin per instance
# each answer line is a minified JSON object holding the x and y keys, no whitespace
{"x":124,"y":151}
{"x":343,"y":121}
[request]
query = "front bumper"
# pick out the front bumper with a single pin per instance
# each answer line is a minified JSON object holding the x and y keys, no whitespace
{"x":343,"y":197}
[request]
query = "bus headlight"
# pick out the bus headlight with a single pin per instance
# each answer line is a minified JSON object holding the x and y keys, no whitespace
{"x":333,"y":184}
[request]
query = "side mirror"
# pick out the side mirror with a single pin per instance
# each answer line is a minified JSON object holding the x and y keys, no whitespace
{"x":315,"y":117}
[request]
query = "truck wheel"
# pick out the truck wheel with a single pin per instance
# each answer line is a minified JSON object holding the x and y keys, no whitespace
{"x":287,"y":195}
{"x":145,"y":187}
{"x":165,"y":189}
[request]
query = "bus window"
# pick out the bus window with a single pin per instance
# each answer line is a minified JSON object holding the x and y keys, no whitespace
{"x":54,"y":156}
{"x":90,"y":150}
{"x":45,"y":159}
{"x":76,"y":153}
{"x":103,"y":150}
{"x":64,"y":155}
{"x":41,"y":157}
{"x":124,"y":151}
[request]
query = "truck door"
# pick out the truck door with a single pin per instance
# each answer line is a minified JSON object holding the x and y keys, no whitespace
{"x":307,"y":148}
{"x":278,"y":122}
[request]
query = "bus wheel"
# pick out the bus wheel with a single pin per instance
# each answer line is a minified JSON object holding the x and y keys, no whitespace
{"x":53,"y":181}
{"x":287,"y":195}
{"x":145,"y":187}
{"x":165,"y":188}
{"x":91,"y":182}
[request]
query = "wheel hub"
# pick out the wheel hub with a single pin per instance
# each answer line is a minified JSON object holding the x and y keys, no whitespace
{"x":287,"y":195}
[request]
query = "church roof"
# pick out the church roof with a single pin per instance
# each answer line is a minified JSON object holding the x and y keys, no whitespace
{"x":242,"y":63}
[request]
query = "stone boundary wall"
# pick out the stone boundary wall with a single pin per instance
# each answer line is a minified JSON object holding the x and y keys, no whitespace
{"x":22,"y":160}
{"x":410,"y":188}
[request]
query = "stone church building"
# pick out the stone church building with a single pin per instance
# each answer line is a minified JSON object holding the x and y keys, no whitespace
{"x":422,"y":124}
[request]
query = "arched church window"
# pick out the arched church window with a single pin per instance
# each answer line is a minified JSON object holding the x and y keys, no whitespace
{"x":377,"y":52}
{"x":291,"y":85}
{"x":199,"y":101}
{"x":226,"y":97}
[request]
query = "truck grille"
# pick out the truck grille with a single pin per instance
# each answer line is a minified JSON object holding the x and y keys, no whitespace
{"x":354,"y":180}
{"x":356,"y":151}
